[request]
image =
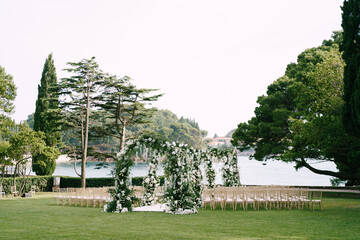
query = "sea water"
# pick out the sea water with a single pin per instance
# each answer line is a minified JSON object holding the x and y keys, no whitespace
{"x":252,"y":172}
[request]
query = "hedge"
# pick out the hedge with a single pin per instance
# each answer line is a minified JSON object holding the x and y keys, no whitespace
{"x":42,"y":183}
{"x":45,"y":183}
{"x":66,"y":182}
{"x":75,"y":182}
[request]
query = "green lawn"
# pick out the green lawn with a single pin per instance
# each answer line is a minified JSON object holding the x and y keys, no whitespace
{"x":40,"y":218}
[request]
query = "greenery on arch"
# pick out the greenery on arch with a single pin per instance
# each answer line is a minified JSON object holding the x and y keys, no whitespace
{"x":183,"y":177}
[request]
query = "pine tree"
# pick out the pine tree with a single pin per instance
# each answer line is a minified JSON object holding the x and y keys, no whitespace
{"x":80,"y":91}
{"x":351,"y":54}
{"x":126,"y":105}
{"x":46,"y":116}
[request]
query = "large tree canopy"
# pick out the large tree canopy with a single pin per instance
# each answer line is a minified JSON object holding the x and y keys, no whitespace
{"x":124,"y":105}
{"x":21,"y":147}
{"x":351,"y":48}
{"x":300,"y":118}
{"x":79,"y":92}
{"x":7,"y":96}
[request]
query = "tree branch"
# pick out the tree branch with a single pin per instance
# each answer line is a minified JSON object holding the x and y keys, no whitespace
{"x":327,"y":172}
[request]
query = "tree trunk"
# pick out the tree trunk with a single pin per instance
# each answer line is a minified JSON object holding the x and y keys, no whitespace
{"x":123,"y":135}
{"x":86,"y":137}
{"x":2,"y":176}
{"x":14,"y":174}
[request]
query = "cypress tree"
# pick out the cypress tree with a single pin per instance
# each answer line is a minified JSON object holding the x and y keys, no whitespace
{"x":351,"y":54}
{"x":46,"y":116}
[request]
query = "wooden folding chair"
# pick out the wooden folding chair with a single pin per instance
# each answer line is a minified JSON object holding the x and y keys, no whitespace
{"x":13,"y":190}
{"x":138,"y":194}
{"x":71,"y":195}
{"x":305,"y":198}
{"x":89,"y":196}
{"x":283,"y":198}
{"x":229,"y":197}
{"x":219,"y":198}
{"x":261,"y":198}
{"x":239,"y":197}
{"x":316,"y":199}
{"x":207,"y":198}
{"x":32,"y":190}
{"x":294,"y":198}
{"x":249,"y":195}
{"x":273,"y":198}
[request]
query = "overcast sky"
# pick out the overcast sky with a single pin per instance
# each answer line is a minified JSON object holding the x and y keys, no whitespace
{"x":211,"y":59}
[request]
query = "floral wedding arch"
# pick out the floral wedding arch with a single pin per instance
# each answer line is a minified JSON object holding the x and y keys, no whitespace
{"x":183,"y":176}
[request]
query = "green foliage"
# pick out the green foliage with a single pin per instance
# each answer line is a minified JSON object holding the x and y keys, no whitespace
{"x":114,"y":103}
{"x":27,"y":143}
{"x":197,"y":178}
{"x":21,"y":147}
{"x":44,"y":163}
{"x":30,"y":121}
{"x":121,"y":200}
{"x":208,"y":157}
{"x":78,"y":96}
{"x":166,"y":124}
{"x":7,"y":96}
{"x":124,"y":105}
{"x":351,"y":51}
{"x":138,"y":181}
{"x":4,"y":155}
{"x":335,"y":182}
{"x":41,"y":183}
{"x":75,"y":182}
{"x":180,"y":193}
{"x":151,"y":181}
{"x":230,"y":170}
{"x":163,"y":123}
{"x":182,"y":171}
{"x":47,"y":111}
{"x":47,"y":119}
{"x":7,"y":92}
{"x":336,"y":38}
{"x":300,"y":118}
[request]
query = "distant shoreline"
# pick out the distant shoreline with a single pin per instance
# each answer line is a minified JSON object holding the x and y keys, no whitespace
{"x":63,"y":159}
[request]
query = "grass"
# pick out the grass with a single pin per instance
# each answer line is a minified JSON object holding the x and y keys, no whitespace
{"x":40,"y":218}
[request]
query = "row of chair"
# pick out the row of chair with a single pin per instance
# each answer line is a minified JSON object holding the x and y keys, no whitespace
{"x":97,"y":196}
{"x":267,"y":197}
{"x":83,"y":196}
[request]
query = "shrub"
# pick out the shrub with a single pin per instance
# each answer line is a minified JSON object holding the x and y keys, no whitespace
{"x":42,"y":183}
{"x":75,"y":182}
{"x":45,"y":183}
